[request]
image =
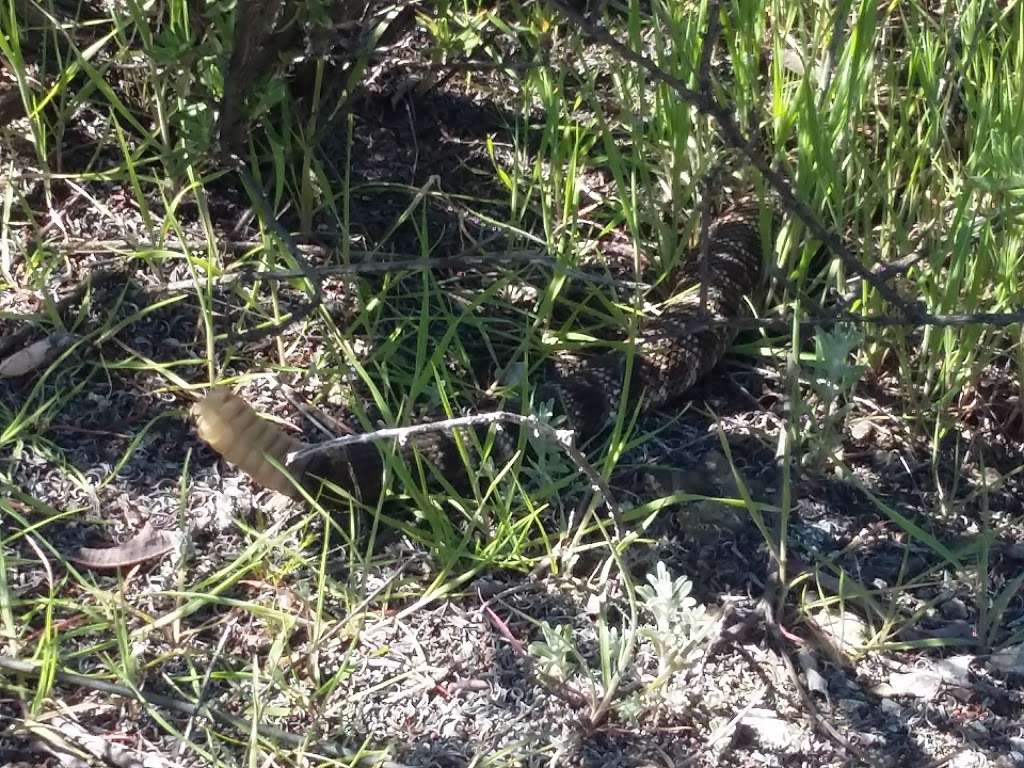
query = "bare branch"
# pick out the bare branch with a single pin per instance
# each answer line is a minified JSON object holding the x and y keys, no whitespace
{"x":705,"y":241}
{"x":448,"y":425}
{"x":708,"y":46}
{"x":705,"y":103}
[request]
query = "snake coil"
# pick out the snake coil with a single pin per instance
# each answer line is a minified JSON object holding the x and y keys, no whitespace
{"x":669,"y":359}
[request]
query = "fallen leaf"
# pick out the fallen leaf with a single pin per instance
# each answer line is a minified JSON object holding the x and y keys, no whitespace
{"x":815,"y":680}
{"x":148,"y":544}
{"x":35,"y":355}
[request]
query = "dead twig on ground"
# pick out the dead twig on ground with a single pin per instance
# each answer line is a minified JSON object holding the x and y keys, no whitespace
{"x":559,"y":437}
{"x":818,"y":722}
{"x":381,"y":267}
{"x":204,"y":688}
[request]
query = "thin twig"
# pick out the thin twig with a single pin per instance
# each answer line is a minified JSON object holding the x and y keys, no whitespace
{"x":429,"y":263}
{"x":122,"y":245}
{"x":204,"y":687}
{"x":472,"y":65}
{"x":380,"y":267}
{"x":826,"y":71}
{"x":705,"y":240}
{"x":785,"y":325}
{"x":708,"y":46}
{"x":820,"y":723}
{"x":403,"y":434}
{"x":383,"y":261}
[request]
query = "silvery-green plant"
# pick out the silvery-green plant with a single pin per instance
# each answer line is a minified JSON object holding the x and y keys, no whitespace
{"x":554,"y":652}
{"x":832,"y":378}
{"x":680,"y":622}
{"x":676,"y":627}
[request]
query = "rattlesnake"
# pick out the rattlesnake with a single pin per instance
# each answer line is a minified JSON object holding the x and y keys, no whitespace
{"x":670,"y":357}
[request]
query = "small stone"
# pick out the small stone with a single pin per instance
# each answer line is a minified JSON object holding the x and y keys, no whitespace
{"x":844,"y":629}
{"x":769,"y":730}
{"x":867,"y":739}
{"x":954,"y":608}
{"x":969,"y":759}
{"x":891,"y":708}
{"x":861,"y":430}
{"x":919,"y":683}
{"x":979,"y":728}
{"x":882,"y":458}
{"x":989,"y":478}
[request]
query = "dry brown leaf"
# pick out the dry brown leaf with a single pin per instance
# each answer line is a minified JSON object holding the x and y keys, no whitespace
{"x":35,"y":355}
{"x":149,"y":543}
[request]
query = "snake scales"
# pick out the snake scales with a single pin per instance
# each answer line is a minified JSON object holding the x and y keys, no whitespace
{"x":670,"y":357}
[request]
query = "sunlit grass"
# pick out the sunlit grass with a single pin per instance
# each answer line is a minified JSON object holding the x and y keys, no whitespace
{"x":898,"y":128}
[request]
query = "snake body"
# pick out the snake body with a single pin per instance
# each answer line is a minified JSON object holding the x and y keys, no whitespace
{"x":673,"y":350}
